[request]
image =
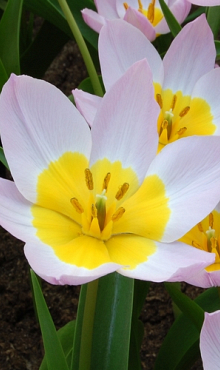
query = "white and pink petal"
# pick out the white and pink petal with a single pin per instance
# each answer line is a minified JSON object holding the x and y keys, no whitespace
{"x":139,"y":21}
{"x":38,"y":125}
{"x":116,"y":41}
{"x":93,"y":19}
{"x":187,"y":59}
{"x":87,"y":104}
{"x":210,"y":341}
{"x":124,"y":128}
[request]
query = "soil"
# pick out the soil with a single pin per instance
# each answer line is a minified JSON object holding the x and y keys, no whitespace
{"x":20,"y":338}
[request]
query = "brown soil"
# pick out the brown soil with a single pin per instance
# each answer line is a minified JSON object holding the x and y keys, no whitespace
{"x":20,"y":339}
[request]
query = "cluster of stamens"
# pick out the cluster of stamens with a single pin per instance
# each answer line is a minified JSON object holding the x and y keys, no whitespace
{"x":150,"y":11}
{"x":166,"y":126}
{"x":211,"y":242}
{"x":98,"y":208}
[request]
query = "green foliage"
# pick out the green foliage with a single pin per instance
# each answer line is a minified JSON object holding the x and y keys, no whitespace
{"x":54,"y":353}
{"x":174,"y":26}
{"x":3,"y":159}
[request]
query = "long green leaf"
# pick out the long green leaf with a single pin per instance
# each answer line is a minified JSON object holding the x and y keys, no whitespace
{"x":180,"y":349}
{"x":53,"y":350}
{"x":3,"y":75}
{"x":3,"y":159}
{"x":65,"y":335}
{"x":213,"y":18}
{"x":173,"y":24}
{"x":9,"y":36}
{"x":43,"y":50}
{"x":188,"y":307}
{"x":112,"y":323}
{"x":217,"y":46}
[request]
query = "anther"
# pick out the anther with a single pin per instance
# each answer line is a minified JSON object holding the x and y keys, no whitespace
{"x":75,"y":203}
{"x":150,"y":11}
{"x":106,"y":181}
{"x":140,"y":6}
{"x":94,"y":211}
{"x":159,"y":100}
{"x":196,"y":245}
{"x":89,"y":179}
{"x":200,"y":227}
{"x":184,"y":111}
{"x":181,"y":131}
{"x":126,"y":6}
{"x":121,"y":191}
{"x":118,"y":214}
{"x":211,"y":220}
{"x":173,"y":103}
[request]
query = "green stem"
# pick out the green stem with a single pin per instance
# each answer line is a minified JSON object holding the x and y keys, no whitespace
{"x":82,"y":47}
{"x":84,"y":327}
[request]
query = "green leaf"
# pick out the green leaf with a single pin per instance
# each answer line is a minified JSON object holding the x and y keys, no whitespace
{"x":141,"y":289}
{"x":180,"y":348}
{"x":3,"y":75}
{"x":213,"y":18}
{"x":51,"y":11}
{"x":47,"y":43}
{"x":173,"y":24}
{"x":190,"y":308}
{"x":112,"y":323}
{"x":86,"y":85}
{"x":9,"y":36}
{"x":65,"y":335}
{"x":217,"y":46}
{"x":53,"y":350}
{"x":3,"y":159}
{"x":3,"y":4}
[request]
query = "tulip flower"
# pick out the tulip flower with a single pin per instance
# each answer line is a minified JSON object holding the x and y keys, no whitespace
{"x":187,"y":85}
{"x":206,"y":236}
{"x":146,"y":15}
{"x":210,"y":341}
{"x":90,"y":202}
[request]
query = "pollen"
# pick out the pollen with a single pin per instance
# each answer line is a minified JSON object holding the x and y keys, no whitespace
{"x":195,"y":244}
{"x":126,"y":6}
{"x":89,"y":179}
{"x":121,"y":191}
{"x":118,"y":214}
{"x":75,"y":203}
{"x":94,"y":211}
{"x":150,"y":11}
{"x":181,"y":131}
{"x":200,"y":227}
{"x":106,"y":181}
{"x":184,"y":111}
{"x":140,"y":6}
{"x":159,"y":100}
{"x":173,"y":103}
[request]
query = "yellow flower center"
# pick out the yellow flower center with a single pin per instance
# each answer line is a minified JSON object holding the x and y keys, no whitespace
{"x":206,"y":236}
{"x":153,"y":14}
{"x":181,"y":116}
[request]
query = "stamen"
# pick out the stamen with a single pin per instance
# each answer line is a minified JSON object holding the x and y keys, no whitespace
{"x":214,"y":244}
{"x":173,"y":103}
{"x":196,"y":245}
{"x":164,"y":124}
{"x":200,"y":227}
{"x":121,"y":191}
{"x":118,"y":214}
{"x":140,"y":6}
{"x":126,"y":6}
{"x":159,"y":100}
{"x":89,"y":179}
{"x":94,"y":211}
{"x":184,"y":111}
{"x":211,"y":220}
{"x":106,"y":181}
{"x":150,"y":11}
{"x":75,"y":203}
{"x":181,"y":131}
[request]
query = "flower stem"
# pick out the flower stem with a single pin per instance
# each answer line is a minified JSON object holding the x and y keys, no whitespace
{"x":82,"y":47}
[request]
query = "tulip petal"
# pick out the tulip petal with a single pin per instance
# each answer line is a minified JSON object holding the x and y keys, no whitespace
{"x":148,"y":260}
{"x":93,"y":19}
{"x":124,"y":128}
{"x":187,"y":59}
{"x":40,"y":124}
{"x":139,"y":21}
{"x":116,"y":41}
{"x":107,"y":8}
{"x":87,"y":104}
{"x":210,"y":341}
{"x":51,"y":268}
